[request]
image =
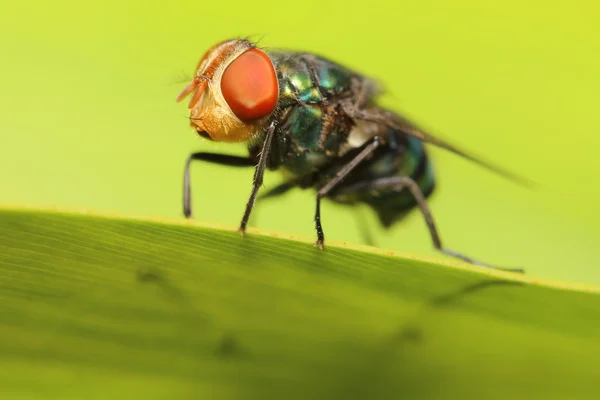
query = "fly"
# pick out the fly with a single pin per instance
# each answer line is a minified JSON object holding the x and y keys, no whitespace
{"x":319,"y":122}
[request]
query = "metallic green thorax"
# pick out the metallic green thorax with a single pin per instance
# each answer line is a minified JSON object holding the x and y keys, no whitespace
{"x":296,"y":73}
{"x":306,"y":84}
{"x":312,"y":141}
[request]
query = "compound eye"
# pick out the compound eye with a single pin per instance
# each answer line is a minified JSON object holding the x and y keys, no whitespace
{"x":249,"y":85}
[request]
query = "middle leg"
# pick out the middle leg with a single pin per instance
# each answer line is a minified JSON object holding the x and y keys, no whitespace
{"x":368,"y":148}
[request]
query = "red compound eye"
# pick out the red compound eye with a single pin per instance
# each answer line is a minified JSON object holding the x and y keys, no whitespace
{"x":249,"y":85}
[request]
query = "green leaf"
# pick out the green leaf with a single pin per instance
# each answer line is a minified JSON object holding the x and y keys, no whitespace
{"x":112,"y":307}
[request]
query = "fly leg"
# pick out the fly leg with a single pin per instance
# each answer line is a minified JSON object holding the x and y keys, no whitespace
{"x":368,"y":148}
{"x":233,"y":161}
{"x":400,"y":182}
{"x":258,"y":175}
{"x":222,"y":159}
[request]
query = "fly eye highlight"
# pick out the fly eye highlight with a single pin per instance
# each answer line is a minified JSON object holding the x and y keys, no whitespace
{"x":249,"y":85}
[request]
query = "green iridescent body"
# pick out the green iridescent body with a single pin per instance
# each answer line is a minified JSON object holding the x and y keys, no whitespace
{"x":315,"y":137}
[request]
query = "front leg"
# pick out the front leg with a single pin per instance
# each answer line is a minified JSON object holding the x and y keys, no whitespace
{"x":222,"y":159}
{"x":258,"y":175}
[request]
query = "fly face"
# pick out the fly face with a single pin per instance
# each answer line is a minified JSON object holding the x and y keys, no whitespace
{"x":234,"y":92}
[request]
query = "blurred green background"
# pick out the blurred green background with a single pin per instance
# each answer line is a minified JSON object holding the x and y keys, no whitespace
{"x":88,"y":117}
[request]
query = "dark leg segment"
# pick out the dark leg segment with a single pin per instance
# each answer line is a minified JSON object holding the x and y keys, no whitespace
{"x":222,"y":159}
{"x":280,"y":189}
{"x":368,"y":148}
{"x":258,"y":175}
{"x":400,"y":182}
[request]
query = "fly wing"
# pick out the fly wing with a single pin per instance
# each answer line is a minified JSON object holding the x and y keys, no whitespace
{"x":395,"y":121}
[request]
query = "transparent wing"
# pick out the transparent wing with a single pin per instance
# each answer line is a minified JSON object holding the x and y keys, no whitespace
{"x":395,"y":121}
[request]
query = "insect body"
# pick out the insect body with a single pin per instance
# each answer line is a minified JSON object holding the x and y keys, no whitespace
{"x":319,"y":122}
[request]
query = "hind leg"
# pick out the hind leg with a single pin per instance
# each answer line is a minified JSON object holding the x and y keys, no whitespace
{"x":398,"y":183}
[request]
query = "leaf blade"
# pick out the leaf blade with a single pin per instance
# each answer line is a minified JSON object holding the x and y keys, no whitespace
{"x":91,"y":301}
